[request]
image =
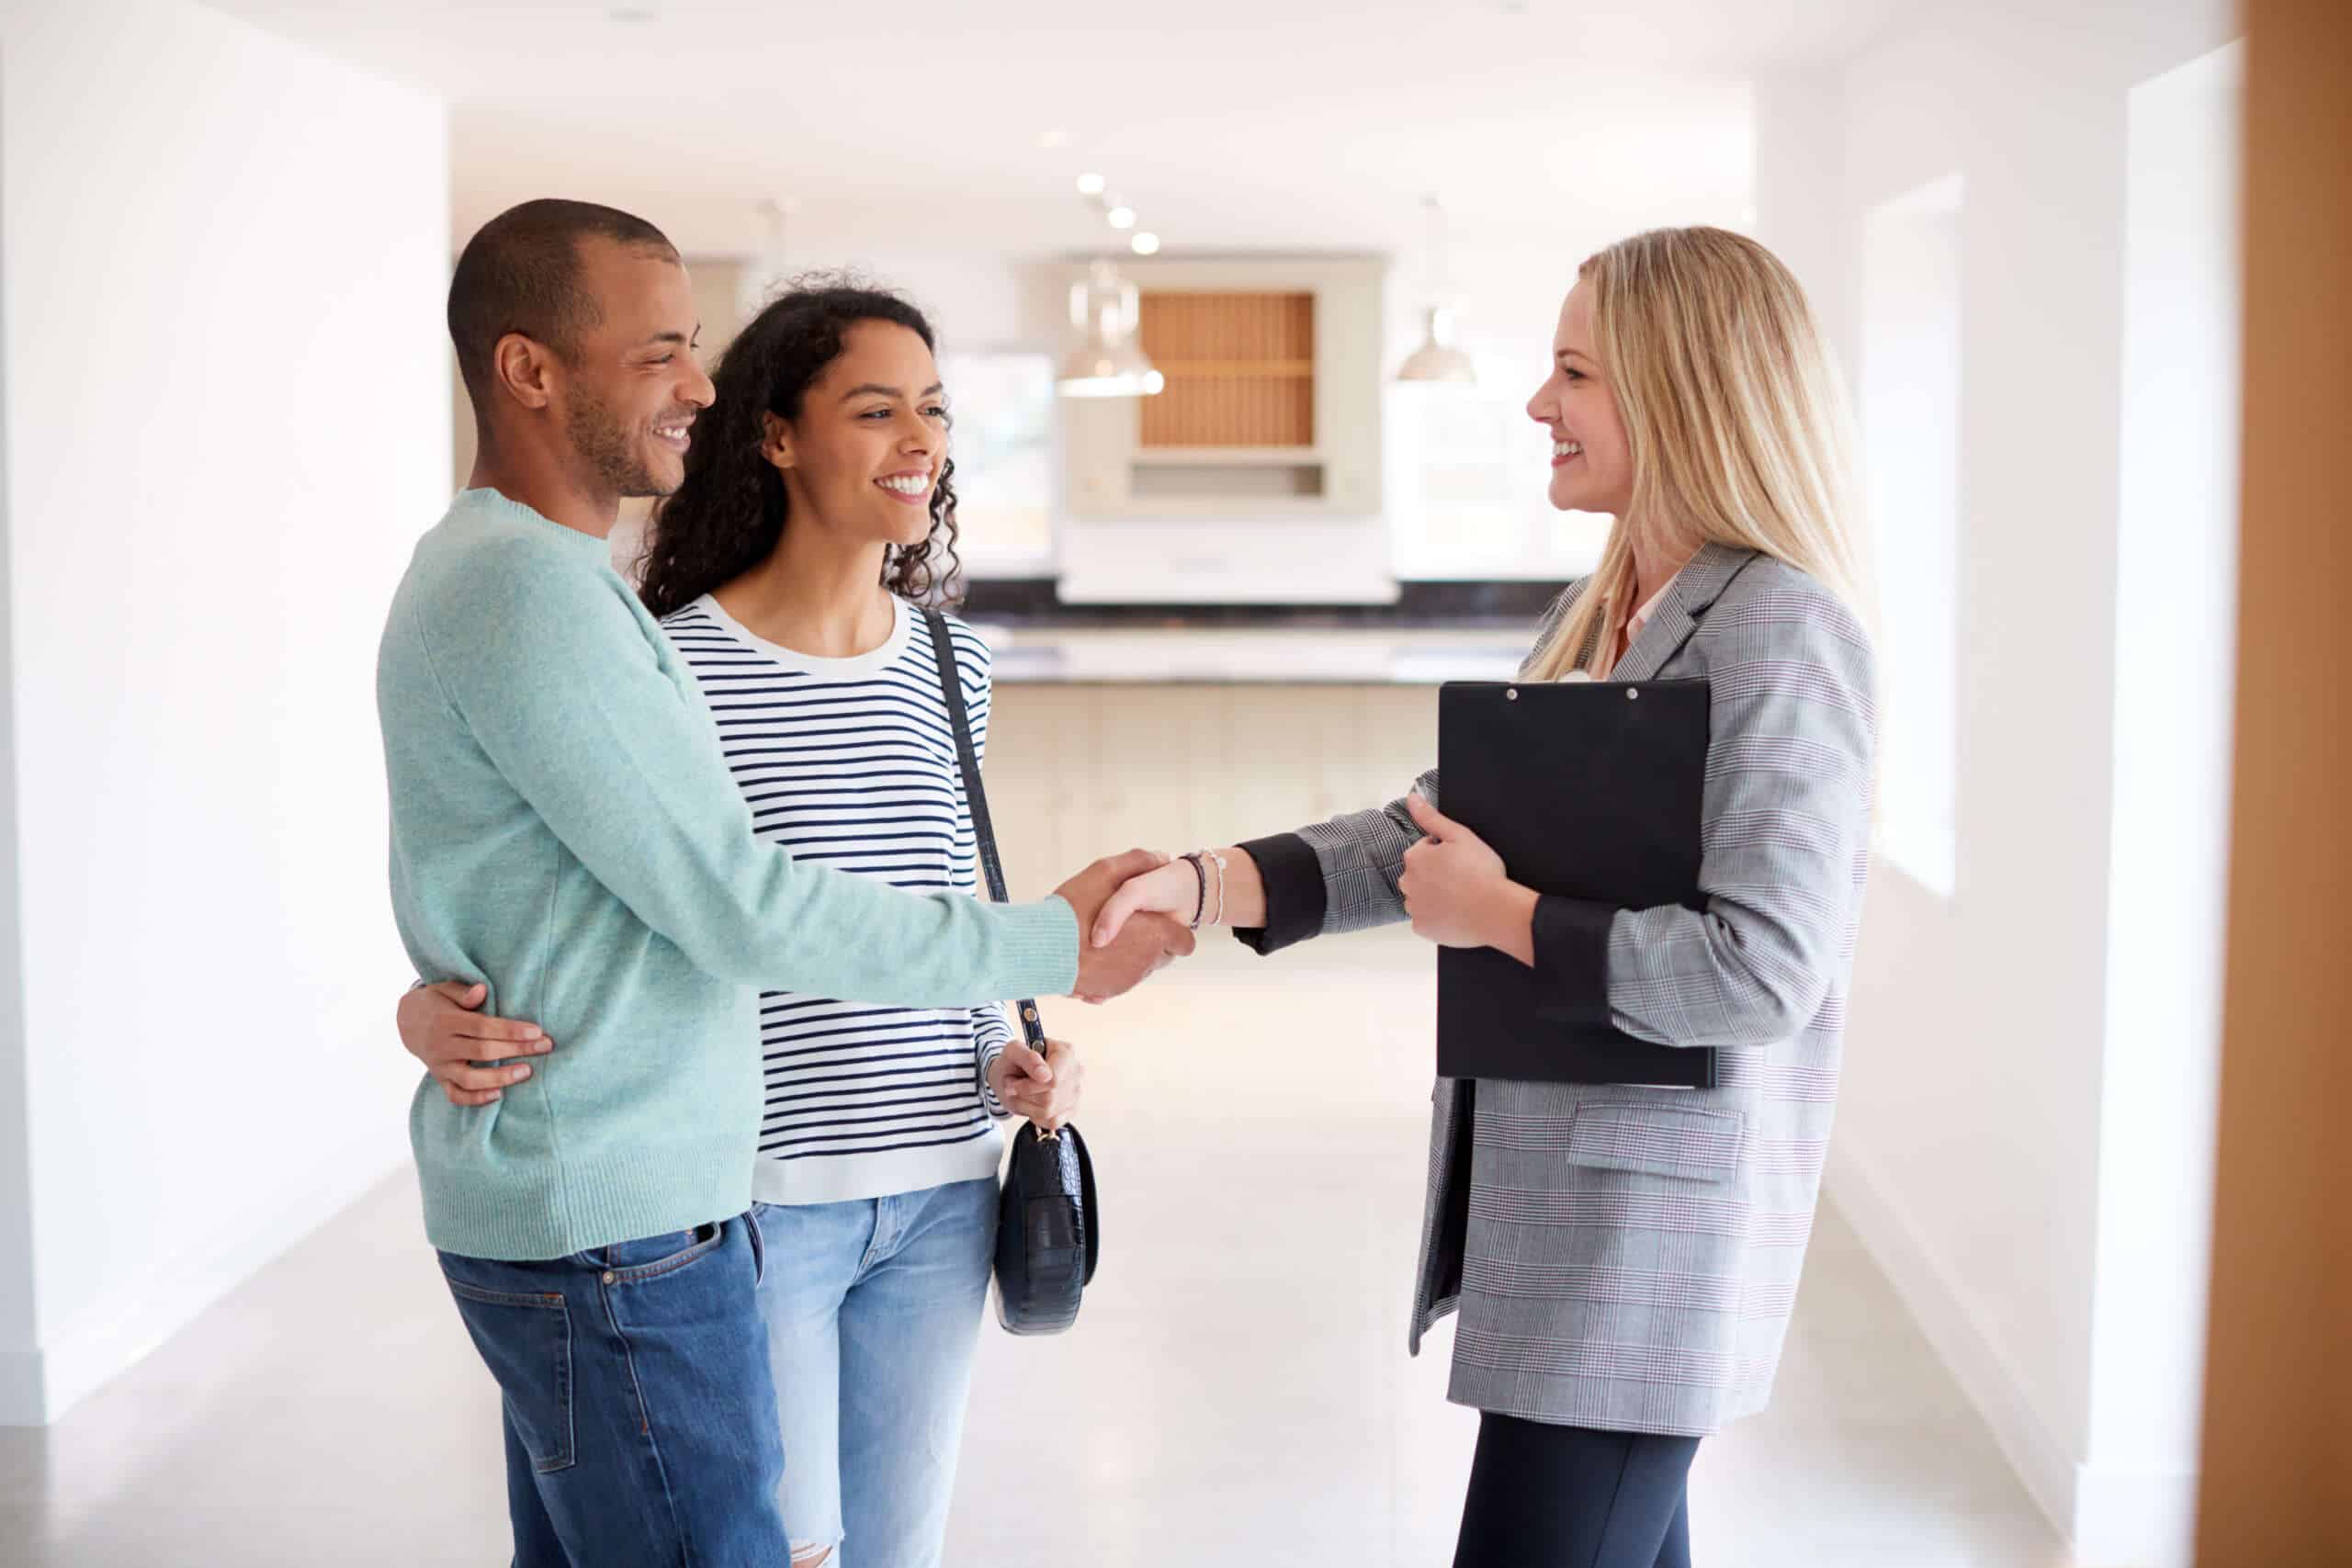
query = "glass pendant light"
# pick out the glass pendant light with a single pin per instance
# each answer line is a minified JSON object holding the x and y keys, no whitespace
{"x":1108,"y":362}
{"x":1436,"y":359}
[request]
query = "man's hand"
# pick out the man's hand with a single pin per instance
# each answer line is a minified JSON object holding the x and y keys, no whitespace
{"x":1148,"y":942}
{"x":440,"y":1028}
{"x":1172,"y":888}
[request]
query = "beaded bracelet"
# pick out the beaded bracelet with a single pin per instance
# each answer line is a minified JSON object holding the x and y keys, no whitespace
{"x":1200,"y":906}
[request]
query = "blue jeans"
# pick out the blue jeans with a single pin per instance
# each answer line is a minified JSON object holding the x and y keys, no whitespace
{"x":641,"y":1423}
{"x":873,"y":1312}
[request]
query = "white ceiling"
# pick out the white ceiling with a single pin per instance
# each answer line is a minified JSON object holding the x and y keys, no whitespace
{"x":1229,"y":124}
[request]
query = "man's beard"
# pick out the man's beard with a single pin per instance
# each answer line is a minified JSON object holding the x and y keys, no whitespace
{"x":603,"y":444}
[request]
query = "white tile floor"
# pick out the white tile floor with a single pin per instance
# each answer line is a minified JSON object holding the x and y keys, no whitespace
{"x":1237,"y":1391}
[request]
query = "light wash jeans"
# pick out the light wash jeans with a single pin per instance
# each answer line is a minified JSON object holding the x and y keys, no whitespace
{"x":873,"y":1310}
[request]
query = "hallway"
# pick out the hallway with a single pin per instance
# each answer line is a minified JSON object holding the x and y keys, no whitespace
{"x":1237,"y":1391}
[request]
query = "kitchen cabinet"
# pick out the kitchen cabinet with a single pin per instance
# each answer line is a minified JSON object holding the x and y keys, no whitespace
{"x":1272,"y":406}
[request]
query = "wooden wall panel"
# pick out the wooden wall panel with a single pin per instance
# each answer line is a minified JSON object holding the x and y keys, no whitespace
{"x":2276,"y":1483}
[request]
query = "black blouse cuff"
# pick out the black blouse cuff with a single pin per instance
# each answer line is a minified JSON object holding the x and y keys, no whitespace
{"x":1294,"y":880}
{"x":1572,"y":957}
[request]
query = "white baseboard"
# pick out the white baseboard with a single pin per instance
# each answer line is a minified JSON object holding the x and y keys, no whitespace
{"x":2003,"y":1398}
{"x":2111,"y":1518}
{"x":39,"y":1387}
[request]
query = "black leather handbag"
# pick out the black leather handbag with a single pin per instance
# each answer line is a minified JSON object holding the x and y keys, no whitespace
{"x":1046,"y":1237}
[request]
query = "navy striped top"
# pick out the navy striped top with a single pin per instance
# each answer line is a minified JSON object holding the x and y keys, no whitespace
{"x":850,"y":764}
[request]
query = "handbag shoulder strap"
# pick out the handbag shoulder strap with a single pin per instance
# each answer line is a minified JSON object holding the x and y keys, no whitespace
{"x":951,"y":687}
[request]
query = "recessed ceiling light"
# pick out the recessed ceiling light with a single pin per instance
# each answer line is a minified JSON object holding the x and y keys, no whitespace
{"x":1145,"y":244}
{"x":1122,"y":217}
{"x":1090,"y":184}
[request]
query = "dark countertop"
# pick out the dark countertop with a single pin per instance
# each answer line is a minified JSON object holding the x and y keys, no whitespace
{"x":1029,"y":604}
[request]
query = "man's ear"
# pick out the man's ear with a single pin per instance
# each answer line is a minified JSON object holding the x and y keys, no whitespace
{"x":776,"y":441}
{"x":521,"y":368}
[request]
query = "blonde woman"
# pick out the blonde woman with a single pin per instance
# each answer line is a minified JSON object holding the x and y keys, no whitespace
{"x":1624,"y":1259}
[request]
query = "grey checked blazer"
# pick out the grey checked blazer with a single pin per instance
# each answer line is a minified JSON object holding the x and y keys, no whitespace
{"x":1630,"y":1254}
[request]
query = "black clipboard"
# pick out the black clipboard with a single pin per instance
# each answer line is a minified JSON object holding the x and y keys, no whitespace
{"x":1590,"y":789}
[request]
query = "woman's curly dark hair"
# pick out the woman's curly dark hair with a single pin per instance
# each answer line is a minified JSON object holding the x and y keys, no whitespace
{"x":729,"y":513}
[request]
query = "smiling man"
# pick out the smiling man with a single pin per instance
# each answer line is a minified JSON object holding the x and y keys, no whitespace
{"x":566,"y":834}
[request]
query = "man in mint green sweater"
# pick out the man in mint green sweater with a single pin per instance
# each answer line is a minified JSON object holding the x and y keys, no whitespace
{"x":565,"y":832}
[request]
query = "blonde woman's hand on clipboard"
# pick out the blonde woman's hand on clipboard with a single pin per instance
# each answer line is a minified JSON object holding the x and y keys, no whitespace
{"x":1458,"y":892}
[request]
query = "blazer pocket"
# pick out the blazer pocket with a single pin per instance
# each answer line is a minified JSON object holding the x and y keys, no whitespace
{"x":1658,"y":1140}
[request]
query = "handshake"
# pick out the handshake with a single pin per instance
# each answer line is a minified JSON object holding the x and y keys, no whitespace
{"x":1137,"y":912}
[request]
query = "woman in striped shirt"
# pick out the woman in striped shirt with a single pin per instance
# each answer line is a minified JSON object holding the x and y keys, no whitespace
{"x":817,"y":511}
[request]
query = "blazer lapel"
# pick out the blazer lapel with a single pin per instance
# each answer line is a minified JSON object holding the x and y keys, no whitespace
{"x":1695,"y":587}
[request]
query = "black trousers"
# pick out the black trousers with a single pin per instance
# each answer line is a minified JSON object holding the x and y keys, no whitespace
{"x":1544,"y":1496}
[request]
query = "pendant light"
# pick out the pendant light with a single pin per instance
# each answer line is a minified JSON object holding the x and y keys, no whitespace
{"x":1108,"y":362}
{"x":1436,"y":359}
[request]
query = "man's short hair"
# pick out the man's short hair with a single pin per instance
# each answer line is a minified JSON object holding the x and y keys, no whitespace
{"x":520,"y":273}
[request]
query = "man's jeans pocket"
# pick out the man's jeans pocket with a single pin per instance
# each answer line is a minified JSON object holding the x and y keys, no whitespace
{"x":632,"y":1262}
{"x":526,"y":1339}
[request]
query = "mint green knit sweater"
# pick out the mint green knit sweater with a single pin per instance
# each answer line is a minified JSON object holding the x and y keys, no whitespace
{"x":565,"y":829}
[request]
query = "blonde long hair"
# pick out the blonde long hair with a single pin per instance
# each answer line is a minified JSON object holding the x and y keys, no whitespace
{"x":1736,"y":421}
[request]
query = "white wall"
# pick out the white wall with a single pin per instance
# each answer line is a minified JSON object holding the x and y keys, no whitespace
{"x":1909,"y":393}
{"x":227,"y":421}
{"x":19,"y":1369}
{"x":2175,"y":668}
{"x":1980,"y":1102}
